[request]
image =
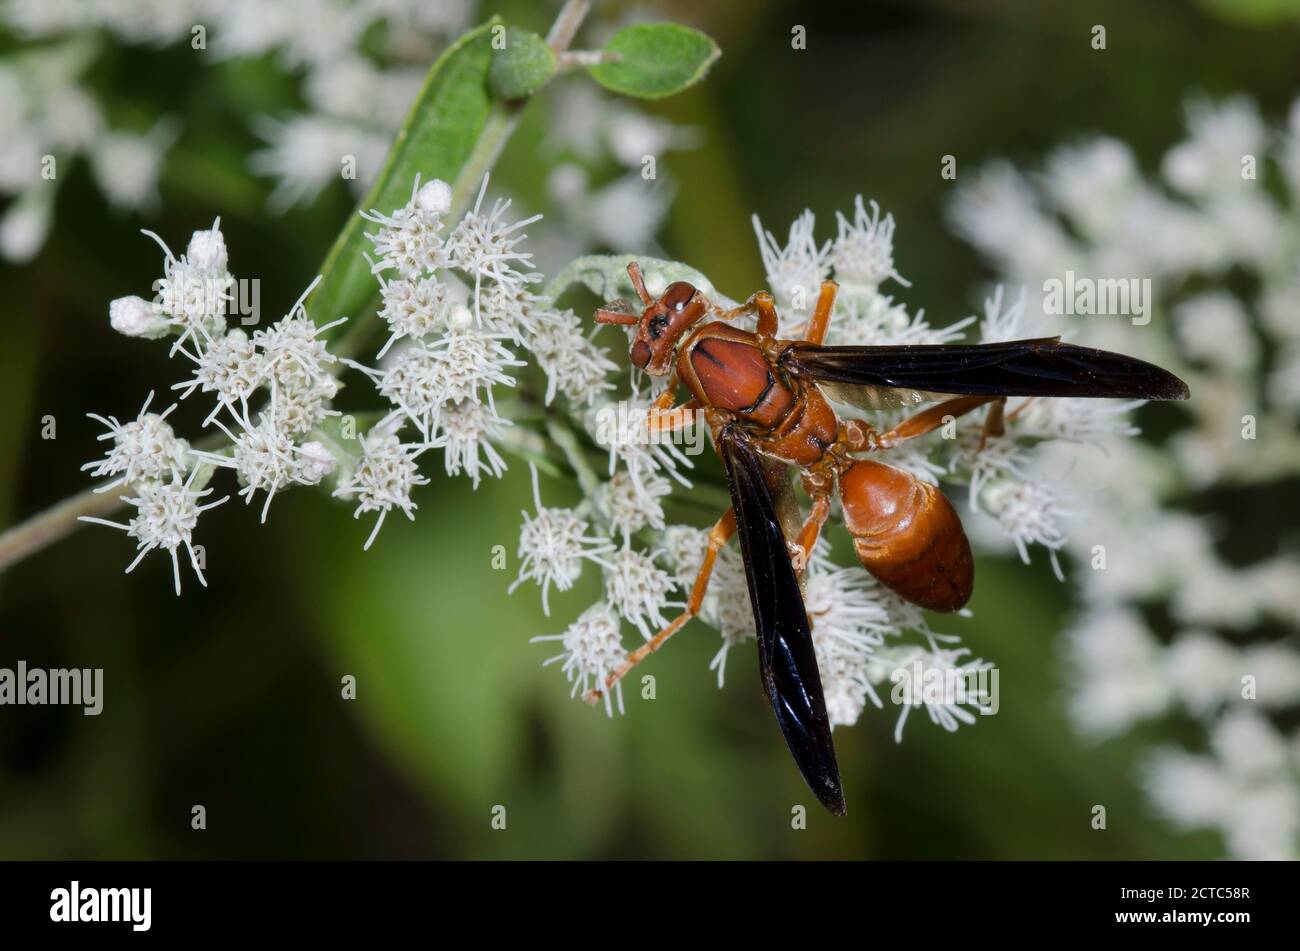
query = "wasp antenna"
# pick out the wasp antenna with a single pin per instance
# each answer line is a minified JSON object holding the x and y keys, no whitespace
{"x":604,"y":316}
{"x":634,"y":272}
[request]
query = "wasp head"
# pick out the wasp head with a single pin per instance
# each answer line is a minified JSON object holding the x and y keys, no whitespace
{"x":661,"y":325}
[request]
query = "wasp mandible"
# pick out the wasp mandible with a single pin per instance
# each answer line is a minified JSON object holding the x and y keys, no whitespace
{"x":767,"y":404}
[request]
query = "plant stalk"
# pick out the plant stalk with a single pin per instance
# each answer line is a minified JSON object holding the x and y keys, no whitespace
{"x":55,"y":522}
{"x":563,"y":437}
{"x":500,"y":126}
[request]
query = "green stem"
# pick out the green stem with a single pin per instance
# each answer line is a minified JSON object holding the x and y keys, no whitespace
{"x":566,"y":24}
{"x":531,"y":446}
{"x":580,"y":59}
{"x":505,"y":116}
{"x":500,"y":126}
{"x":63,"y":518}
{"x":55,"y":522}
{"x":563,"y":437}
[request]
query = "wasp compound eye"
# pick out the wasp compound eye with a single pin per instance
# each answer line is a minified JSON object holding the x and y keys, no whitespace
{"x":640,"y":354}
{"x":678,"y":295}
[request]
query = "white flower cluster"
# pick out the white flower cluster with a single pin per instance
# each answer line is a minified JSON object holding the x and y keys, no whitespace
{"x":156,"y":473}
{"x":554,"y":544}
{"x":455,"y":301}
{"x":1227,"y":199}
{"x":269,"y":451}
{"x":861,"y":259}
{"x":47,"y":118}
{"x":859,"y":626}
{"x":361,"y":66}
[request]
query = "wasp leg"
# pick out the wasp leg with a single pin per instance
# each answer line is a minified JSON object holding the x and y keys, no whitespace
{"x":802,"y":547}
{"x":663,"y":417}
{"x":857,"y":435}
{"x":931,"y":419}
{"x":994,"y":422}
{"x":670,"y":419}
{"x":666,"y":396}
{"x":718,"y":536}
{"x":767,"y":319}
{"x":1021,"y":408}
{"x":1018,"y":410}
{"x":821,"y":315}
{"x":761,"y":304}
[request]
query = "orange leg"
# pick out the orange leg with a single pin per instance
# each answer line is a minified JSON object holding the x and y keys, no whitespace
{"x":803,"y":545}
{"x":995,"y":422}
{"x":821,"y":315}
{"x":761,"y":304}
{"x":718,"y":536}
{"x":662,"y":416}
{"x":858,"y":435}
{"x":931,"y":419}
{"x":665,"y":399}
{"x":1020,"y":409}
{"x":669,"y":420}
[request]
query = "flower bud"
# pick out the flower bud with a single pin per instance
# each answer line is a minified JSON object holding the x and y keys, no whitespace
{"x":207,"y":251}
{"x":135,"y":317}
{"x":460,"y":317}
{"x":315,"y":462}
{"x":435,"y":197}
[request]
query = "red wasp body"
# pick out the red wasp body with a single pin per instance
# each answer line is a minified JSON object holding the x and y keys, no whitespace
{"x":766,"y":403}
{"x":905,"y":531}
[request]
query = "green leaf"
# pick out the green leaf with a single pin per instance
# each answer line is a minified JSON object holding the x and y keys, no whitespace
{"x":655,"y":60}
{"x":605,"y":275}
{"x":522,"y":67}
{"x":420,"y":611}
{"x":437,"y":137}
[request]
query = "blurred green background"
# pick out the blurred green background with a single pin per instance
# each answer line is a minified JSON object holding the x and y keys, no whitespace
{"x":230,"y":696}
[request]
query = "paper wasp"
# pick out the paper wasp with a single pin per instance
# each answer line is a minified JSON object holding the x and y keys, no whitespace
{"x":766,"y":403}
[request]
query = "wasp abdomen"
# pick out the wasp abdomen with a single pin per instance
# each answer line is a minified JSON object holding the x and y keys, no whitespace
{"x":907,"y":534}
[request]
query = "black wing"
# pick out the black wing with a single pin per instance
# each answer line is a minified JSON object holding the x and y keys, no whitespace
{"x":787,"y":660}
{"x":1042,"y":367}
